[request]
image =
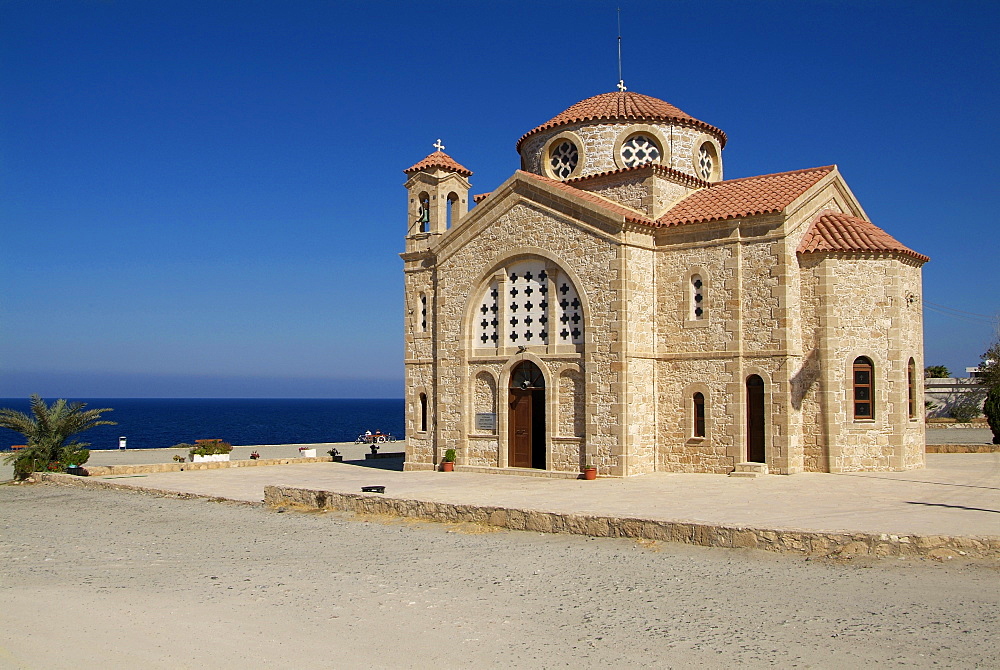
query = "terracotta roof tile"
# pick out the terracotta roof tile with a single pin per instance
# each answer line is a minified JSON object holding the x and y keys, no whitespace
{"x":629,"y":215}
{"x":439,"y":159}
{"x":748,"y":196}
{"x":832,"y":231}
{"x":677,"y":175}
{"x":622,"y":106}
{"x":479,"y":197}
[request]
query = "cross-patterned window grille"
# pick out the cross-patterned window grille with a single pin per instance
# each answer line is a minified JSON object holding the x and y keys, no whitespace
{"x":563,"y":159}
{"x":527,"y":299}
{"x":423,"y":313}
{"x":864,"y":387}
{"x":639,"y":150}
{"x":570,"y":314}
{"x":706,"y":163}
{"x":697,"y":298}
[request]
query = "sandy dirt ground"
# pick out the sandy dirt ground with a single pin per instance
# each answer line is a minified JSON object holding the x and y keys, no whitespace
{"x":109,"y":579}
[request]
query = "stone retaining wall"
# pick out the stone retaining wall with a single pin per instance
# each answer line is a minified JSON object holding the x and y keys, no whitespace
{"x":788,"y":541}
{"x":110,"y":485}
{"x":107,"y":470}
{"x":962,"y":448}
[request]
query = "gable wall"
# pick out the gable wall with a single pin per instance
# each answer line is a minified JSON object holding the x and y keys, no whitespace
{"x":525,"y":229}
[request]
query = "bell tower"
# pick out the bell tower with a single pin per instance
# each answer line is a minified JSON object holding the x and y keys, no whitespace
{"x":438,"y":190}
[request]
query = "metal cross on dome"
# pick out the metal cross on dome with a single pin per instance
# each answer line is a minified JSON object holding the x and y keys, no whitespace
{"x":621,"y":87}
{"x":437,"y":145}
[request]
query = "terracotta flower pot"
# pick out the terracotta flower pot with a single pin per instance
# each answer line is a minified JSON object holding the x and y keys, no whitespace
{"x":447,"y":466}
{"x":590,"y":473}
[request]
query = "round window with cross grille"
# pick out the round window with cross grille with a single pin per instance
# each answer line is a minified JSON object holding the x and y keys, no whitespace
{"x":563,"y":159}
{"x":639,"y":150}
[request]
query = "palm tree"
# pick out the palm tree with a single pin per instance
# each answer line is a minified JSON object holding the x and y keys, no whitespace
{"x":47,"y":431}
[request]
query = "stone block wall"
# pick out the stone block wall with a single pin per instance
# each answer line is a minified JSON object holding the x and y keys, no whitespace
{"x":866,"y":306}
{"x":679,"y":144}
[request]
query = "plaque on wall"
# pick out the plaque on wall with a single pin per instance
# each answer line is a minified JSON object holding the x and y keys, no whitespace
{"x":486,"y":421}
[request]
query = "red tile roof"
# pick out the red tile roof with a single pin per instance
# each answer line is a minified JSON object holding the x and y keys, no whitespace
{"x":628,"y":214}
{"x":622,"y":106}
{"x":832,"y":231}
{"x":677,"y":175}
{"x":749,"y":196}
{"x":439,"y":159}
{"x":479,"y":197}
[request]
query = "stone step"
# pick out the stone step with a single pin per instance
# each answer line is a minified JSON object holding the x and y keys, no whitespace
{"x":749,"y":470}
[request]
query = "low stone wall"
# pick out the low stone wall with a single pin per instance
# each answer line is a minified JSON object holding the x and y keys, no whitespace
{"x":111,"y":485}
{"x":962,"y":448}
{"x":109,"y":470}
{"x":787,"y":541}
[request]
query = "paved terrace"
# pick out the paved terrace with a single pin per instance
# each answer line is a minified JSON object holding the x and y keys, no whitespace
{"x":956,"y":495}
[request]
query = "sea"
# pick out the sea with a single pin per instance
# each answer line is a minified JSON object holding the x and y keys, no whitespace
{"x":151,"y":423}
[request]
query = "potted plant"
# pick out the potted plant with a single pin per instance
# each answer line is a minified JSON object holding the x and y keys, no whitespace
{"x":590,"y":471}
{"x":335,"y":455}
{"x":254,"y":455}
{"x":207,"y":450}
{"x":448,"y":462}
{"x":306,"y":452}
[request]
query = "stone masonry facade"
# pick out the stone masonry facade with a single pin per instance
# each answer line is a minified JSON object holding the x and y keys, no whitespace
{"x":759,"y":324}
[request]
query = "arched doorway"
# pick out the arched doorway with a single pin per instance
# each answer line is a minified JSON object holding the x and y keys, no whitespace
{"x":526,"y":418}
{"x":755,"y":419}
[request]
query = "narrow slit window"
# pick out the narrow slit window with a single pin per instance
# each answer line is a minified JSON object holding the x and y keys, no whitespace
{"x":911,"y":384}
{"x":423,"y":412}
{"x":864,"y":388}
{"x":699,"y":415}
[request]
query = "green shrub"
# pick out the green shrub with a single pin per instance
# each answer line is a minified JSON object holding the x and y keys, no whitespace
{"x":449,"y":456}
{"x":991,"y":408}
{"x":75,"y":456}
{"x":937,"y":372}
{"x":968,"y":408}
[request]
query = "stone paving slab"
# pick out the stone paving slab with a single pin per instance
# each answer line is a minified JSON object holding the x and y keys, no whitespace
{"x":957,"y":494}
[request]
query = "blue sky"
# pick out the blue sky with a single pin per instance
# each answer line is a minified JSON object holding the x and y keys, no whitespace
{"x":205,"y":198}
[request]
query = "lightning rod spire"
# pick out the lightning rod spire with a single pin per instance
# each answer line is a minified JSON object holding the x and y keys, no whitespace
{"x":621,"y":82}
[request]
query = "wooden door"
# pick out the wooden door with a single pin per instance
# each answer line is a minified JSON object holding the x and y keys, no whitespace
{"x":520,"y":428}
{"x":755,"y":419}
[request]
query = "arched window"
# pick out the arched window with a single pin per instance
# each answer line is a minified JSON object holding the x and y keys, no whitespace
{"x":698,"y":294}
{"x":864,"y":388}
{"x":452,"y":212}
{"x":699,"y":415}
{"x":424,"y":213}
{"x":707,"y":161}
{"x":423,"y":412}
{"x":541,"y":310}
{"x":911,"y":386}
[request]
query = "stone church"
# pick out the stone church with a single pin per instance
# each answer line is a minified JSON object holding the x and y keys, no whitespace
{"x":618,"y":303}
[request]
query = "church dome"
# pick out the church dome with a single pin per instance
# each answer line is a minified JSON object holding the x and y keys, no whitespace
{"x":623,"y":106}
{"x":622,"y":130}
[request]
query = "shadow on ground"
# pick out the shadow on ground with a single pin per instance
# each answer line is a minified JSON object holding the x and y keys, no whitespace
{"x":379,"y":463}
